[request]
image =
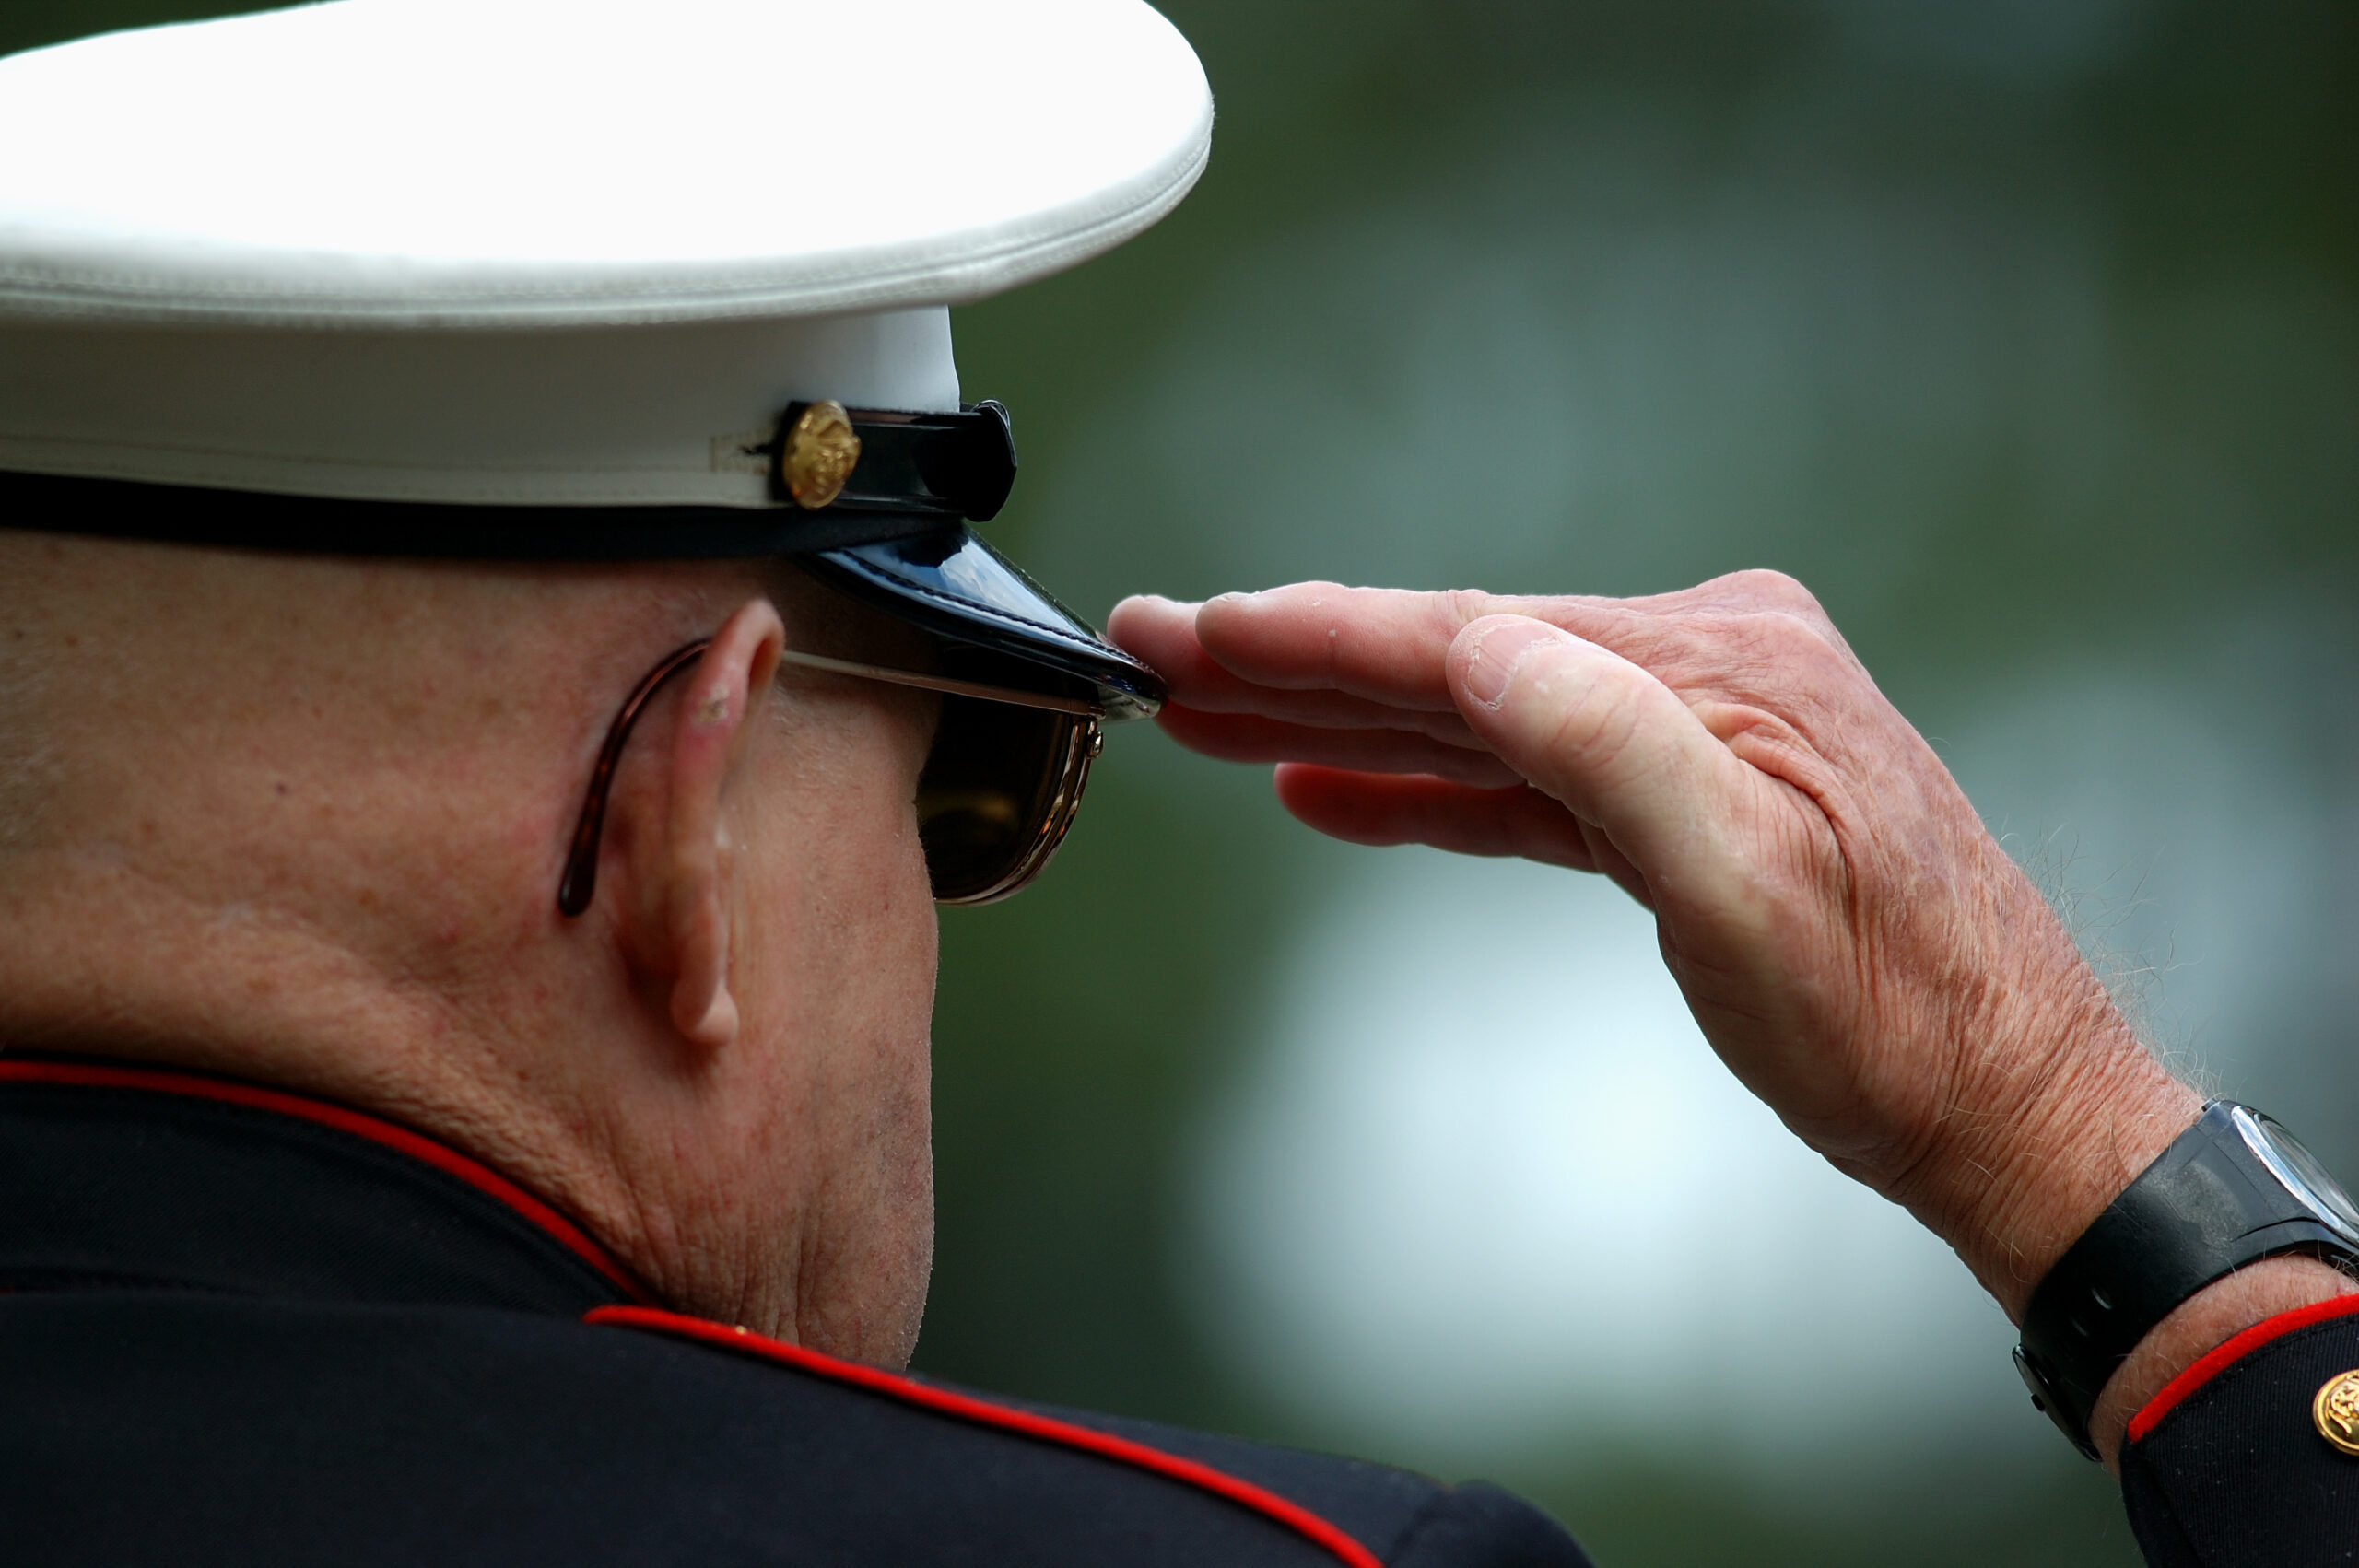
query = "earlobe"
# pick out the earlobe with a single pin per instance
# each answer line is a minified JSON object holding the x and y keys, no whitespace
{"x":688,"y":901}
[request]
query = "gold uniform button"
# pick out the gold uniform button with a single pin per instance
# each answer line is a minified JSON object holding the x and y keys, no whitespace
{"x":2336,"y":1411}
{"x":820,"y":453}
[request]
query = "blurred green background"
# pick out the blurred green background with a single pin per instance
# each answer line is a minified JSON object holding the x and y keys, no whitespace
{"x":2026,"y":333}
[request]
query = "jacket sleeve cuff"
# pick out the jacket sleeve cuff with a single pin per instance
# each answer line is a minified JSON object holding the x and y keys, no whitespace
{"x":2228,"y":1466}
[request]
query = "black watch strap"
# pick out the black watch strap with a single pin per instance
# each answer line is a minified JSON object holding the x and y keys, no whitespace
{"x":2232,"y":1190}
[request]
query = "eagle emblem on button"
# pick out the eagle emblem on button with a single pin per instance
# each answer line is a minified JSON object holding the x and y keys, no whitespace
{"x":818,"y":454}
{"x":2336,"y":1411}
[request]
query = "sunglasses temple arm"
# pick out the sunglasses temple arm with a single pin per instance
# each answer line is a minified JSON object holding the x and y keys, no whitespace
{"x":580,"y":880}
{"x":1010,"y":694}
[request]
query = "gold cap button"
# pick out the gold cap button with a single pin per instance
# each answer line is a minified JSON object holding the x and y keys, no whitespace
{"x":819,"y":453}
{"x":2336,"y":1410}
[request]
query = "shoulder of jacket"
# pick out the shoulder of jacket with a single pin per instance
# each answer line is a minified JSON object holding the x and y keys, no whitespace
{"x":1393,"y":1516}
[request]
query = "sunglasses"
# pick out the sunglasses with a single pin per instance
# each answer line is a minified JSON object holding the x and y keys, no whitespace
{"x":1000,"y":787}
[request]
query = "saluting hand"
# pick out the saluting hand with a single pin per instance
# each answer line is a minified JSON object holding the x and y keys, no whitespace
{"x":1856,"y":946}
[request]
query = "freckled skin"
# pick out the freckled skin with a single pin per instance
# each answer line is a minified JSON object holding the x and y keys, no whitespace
{"x":1794,"y":837}
{"x":1857,"y":949}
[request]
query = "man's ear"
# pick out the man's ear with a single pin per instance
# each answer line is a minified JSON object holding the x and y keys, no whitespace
{"x":682,"y":859}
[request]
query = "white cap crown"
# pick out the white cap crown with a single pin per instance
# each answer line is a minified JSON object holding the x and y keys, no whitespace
{"x":547,"y":252}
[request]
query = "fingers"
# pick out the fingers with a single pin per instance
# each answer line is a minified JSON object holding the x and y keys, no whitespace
{"x":1339,"y":650}
{"x":1248,"y":737}
{"x":1164,"y":633}
{"x":1385,"y":645}
{"x":1385,"y":682}
{"x":1369,"y":807}
{"x":1619,"y":748}
{"x":1233,"y":653}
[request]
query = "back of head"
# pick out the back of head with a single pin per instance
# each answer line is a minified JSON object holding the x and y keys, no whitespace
{"x":219,"y":755}
{"x":367,"y":481}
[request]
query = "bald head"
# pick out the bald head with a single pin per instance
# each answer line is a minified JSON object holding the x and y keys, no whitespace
{"x":133,"y":672}
{"x":218,"y":719}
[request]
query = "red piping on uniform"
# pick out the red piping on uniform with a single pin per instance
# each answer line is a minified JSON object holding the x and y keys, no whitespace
{"x":968,"y":1408}
{"x":2218,"y":1360}
{"x":90,"y":1075}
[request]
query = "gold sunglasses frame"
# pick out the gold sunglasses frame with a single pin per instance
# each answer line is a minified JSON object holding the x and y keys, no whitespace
{"x":580,"y":884}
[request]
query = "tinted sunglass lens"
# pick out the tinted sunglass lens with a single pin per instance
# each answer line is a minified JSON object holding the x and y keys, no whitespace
{"x":998,"y":788}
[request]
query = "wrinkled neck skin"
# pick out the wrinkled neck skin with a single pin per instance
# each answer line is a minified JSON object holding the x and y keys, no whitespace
{"x":301,"y":821}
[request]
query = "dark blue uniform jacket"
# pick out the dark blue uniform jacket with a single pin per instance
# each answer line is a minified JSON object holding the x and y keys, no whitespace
{"x":244,"y":1326}
{"x":239,"y":1326}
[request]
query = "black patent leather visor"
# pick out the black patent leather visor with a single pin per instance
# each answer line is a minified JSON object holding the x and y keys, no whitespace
{"x":996,"y":624}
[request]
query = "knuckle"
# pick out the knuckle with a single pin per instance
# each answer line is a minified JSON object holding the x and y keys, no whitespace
{"x":1775,"y":615}
{"x":1755,"y":600}
{"x":1773,"y":590}
{"x":1796,"y":636}
{"x":1464,"y":606}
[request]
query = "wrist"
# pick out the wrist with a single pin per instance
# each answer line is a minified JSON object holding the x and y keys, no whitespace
{"x":2055,"y":1150}
{"x":2053,"y":1107}
{"x":2078,"y":1150}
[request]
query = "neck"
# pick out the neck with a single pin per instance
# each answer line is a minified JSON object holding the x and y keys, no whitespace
{"x":102,"y":958}
{"x":519,"y":1048}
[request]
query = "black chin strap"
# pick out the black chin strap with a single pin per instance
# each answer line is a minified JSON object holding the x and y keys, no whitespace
{"x":956,"y":467}
{"x":311,"y":525}
{"x":909,"y":475}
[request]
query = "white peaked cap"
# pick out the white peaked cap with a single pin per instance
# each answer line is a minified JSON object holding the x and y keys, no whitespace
{"x":574,"y":252}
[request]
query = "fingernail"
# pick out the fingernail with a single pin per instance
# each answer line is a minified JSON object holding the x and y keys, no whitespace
{"x":1492,"y":656}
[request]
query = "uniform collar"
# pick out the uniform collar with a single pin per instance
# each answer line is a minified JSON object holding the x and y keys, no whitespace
{"x":117,"y":1177}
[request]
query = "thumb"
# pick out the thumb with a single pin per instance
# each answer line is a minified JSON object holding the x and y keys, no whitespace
{"x":1614,"y":744}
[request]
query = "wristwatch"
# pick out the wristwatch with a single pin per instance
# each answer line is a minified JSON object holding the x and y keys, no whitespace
{"x":2232,"y":1189}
